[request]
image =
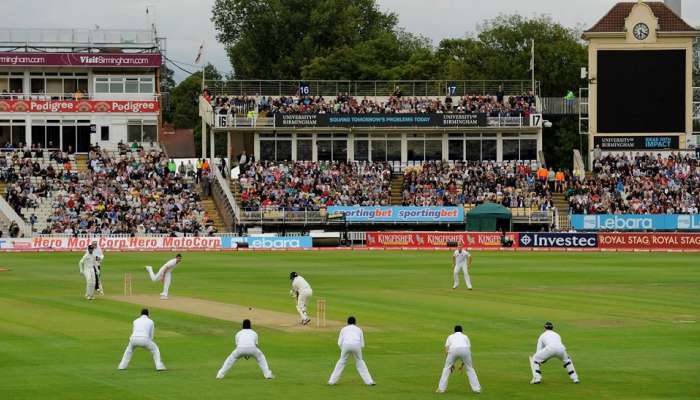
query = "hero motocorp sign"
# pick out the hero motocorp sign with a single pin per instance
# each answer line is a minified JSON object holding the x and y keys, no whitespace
{"x":374,"y":120}
{"x":635,"y":222}
{"x":121,"y":60}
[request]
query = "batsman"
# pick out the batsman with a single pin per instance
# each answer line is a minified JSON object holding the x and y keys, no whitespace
{"x":302,"y":291}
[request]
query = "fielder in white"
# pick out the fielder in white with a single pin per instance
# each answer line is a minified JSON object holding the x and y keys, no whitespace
{"x":458,"y":347}
{"x":164,"y":274}
{"x":351,"y":341}
{"x":302,"y":291}
{"x":461,"y":261}
{"x":246,"y":346}
{"x":142,"y":336}
{"x":88,"y":268}
{"x":99,"y":259}
{"x":549,"y":345}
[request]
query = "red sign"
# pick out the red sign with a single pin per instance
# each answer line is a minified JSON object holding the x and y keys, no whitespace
{"x":649,"y":241}
{"x":436,"y":239}
{"x":121,"y":60}
{"x":84,"y":106}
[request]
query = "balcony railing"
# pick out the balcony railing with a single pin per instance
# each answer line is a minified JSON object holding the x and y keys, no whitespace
{"x":368,"y":88}
{"x":137,"y":38}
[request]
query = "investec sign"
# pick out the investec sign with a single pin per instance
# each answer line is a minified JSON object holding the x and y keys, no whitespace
{"x":567,"y":240}
{"x":634,"y":222}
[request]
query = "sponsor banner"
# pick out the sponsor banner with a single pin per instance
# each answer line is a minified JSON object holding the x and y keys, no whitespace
{"x":649,"y":241}
{"x":436,"y":239}
{"x":400,"y":214}
{"x":85,"y":106}
{"x":636,"y":142}
{"x":112,"y":243}
{"x":558,"y":240}
{"x":636,"y":222}
{"x":268,"y":242}
{"x":121,"y":60}
{"x":360,"y":120}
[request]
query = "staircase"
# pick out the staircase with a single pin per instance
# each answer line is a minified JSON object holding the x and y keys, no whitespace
{"x":235,"y":187}
{"x":396,"y":190}
{"x":562,"y":206}
{"x":81,"y":163}
{"x":213,"y":213}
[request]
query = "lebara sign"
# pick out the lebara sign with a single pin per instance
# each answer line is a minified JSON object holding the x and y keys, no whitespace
{"x":399,"y":214}
{"x":268,"y":242}
{"x":635,"y":222}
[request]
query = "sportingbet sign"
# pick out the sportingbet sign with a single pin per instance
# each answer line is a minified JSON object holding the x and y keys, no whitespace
{"x":635,"y":222}
{"x":268,"y":242}
{"x":399,"y":214}
{"x":558,"y":240}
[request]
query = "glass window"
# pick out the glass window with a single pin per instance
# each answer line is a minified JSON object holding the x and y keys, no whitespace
{"x":304,"y":150}
{"x":101,"y":85}
{"x":53,"y":137}
{"x":131,"y":85}
{"x":379,"y":150}
{"x":150,"y":133}
{"x":70,"y":86}
{"x":284,"y":150}
{"x":267,"y":150}
{"x":54,"y":86}
{"x":511,"y":150}
{"x":104,"y":133}
{"x":38,"y":86}
{"x":488,"y":150}
{"x":5,"y":135}
{"x":18,"y":135}
{"x":472,"y":150}
{"x":39,"y":135}
{"x":433,"y":150}
{"x":146,"y":85}
{"x":324,"y":150}
{"x":340,"y":150}
{"x":415,"y":150}
{"x":528,"y":149}
{"x":361,"y":150}
{"x":133,"y":132}
{"x":116,"y":85}
{"x":16,"y":85}
{"x":393,"y":150}
{"x":455,"y":150}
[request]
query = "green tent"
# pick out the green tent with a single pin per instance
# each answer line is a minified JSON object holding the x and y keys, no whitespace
{"x":488,"y":217}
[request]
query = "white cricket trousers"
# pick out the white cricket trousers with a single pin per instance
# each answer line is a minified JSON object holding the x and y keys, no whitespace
{"x":139,"y":341}
{"x":465,"y":270}
{"x":89,"y":274}
{"x":166,"y":276}
{"x":552,"y":352}
{"x":464,"y":354}
{"x":239,"y":352}
{"x":301,"y":303}
{"x":345,"y":352}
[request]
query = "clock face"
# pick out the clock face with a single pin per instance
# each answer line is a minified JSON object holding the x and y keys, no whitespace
{"x":640,"y":31}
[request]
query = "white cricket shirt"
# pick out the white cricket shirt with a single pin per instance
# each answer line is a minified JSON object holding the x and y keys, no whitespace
{"x":171,"y":264}
{"x":457,"y":340}
{"x":143,"y":327}
{"x":246,"y":338}
{"x":461,"y":257}
{"x":300,"y":284}
{"x":549,"y":338}
{"x":351,"y":335}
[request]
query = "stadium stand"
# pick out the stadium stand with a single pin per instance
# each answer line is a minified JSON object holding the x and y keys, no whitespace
{"x":639,"y":184}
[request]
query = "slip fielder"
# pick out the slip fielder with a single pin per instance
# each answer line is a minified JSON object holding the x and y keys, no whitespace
{"x":142,"y":336}
{"x":246,"y":346}
{"x":302,"y":291}
{"x":458,"y":347}
{"x":461,"y":261}
{"x":99,"y":258}
{"x":164,"y":274}
{"x":88,"y":269}
{"x":549,"y":345}
{"x":351,"y":341}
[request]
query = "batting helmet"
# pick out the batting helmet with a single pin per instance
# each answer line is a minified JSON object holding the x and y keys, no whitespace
{"x":293,"y":275}
{"x":548,"y":326}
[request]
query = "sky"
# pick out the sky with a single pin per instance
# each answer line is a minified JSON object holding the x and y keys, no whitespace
{"x":186,"y":23}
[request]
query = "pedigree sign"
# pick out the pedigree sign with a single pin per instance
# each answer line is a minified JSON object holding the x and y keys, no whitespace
{"x":79,"y":106}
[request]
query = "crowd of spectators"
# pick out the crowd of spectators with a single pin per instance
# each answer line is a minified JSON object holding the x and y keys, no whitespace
{"x":313,"y":185}
{"x":443,"y":184}
{"x":638,"y":184}
{"x":130,"y":192}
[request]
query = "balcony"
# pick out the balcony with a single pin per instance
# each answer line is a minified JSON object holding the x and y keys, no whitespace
{"x":70,"y":38}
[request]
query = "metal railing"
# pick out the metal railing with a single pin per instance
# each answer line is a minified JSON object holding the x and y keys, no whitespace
{"x":560,"y":105}
{"x":222,"y":121}
{"x":416,"y":88}
{"x":9,"y":213}
{"x":77,"y":37}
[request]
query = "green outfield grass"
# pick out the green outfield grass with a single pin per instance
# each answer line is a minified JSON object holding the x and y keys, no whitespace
{"x":625,"y":319}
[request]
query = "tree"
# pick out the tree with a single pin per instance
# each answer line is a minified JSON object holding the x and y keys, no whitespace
{"x":274,"y":39}
{"x":167,"y":83}
{"x":184,"y":102}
